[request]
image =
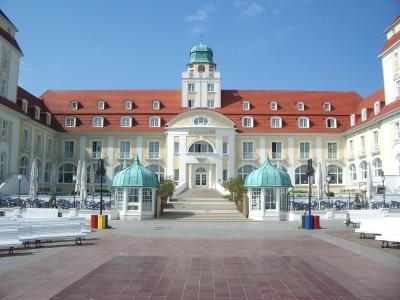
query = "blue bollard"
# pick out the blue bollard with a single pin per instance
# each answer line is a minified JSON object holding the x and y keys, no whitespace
{"x":309,"y":222}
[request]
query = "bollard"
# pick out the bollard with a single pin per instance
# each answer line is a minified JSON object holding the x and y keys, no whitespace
{"x":101,"y":222}
{"x":316,"y":222}
{"x":309,"y":222}
{"x":93,"y":221}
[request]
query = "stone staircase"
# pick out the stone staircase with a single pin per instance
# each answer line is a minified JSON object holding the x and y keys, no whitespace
{"x":201,"y":205}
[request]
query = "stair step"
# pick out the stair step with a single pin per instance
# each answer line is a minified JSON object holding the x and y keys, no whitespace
{"x":202,"y":211}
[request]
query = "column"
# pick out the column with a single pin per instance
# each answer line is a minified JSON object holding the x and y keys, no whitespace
{"x":109,"y":166}
{"x":318,"y":148}
{"x":182,"y":158}
{"x":170,"y":155}
{"x":262,"y":149}
{"x":291,"y":165}
{"x":232,"y":155}
{"x":218,"y":164}
{"x":15,"y":148}
{"x":82,"y":148}
{"x":190,"y":177}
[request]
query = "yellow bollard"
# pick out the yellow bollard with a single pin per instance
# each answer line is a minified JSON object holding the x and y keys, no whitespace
{"x":101,"y":222}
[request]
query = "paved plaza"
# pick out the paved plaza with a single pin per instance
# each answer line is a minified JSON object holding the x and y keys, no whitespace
{"x":167,"y":259}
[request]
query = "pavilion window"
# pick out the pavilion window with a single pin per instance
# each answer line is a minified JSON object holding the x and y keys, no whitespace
{"x":147,"y":199}
{"x":119,"y":198}
{"x":256,"y":198}
{"x":284,"y":200}
{"x":270,"y":198}
{"x":133,"y":198}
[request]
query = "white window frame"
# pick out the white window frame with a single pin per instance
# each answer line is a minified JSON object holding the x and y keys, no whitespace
{"x":397,"y":130}
{"x":279,"y":125}
{"x":128,"y":104}
{"x":248,"y":155}
{"x":101,"y":105}
{"x":191,"y":103}
{"x":50,"y":147}
{"x":154,"y":154}
{"x":362,"y":145}
{"x":210,"y":103}
{"x":397,"y":87}
{"x":210,"y":88}
{"x":246,"y":105}
{"x":26,"y":139}
{"x":377,"y":107}
{"x":332,"y":154}
{"x":48,"y":118}
{"x":205,"y":121}
{"x":96,"y":154}
{"x":244,"y":121}
{"x":126,"y":121}
{"x":74,"y":105}
{"x":37,"y":112}
{"x":71,"y":142}
{"x":191,"y":88}
{"x":375,"y":141}
{"x":156,"y":104}
{"x":154,"y":121}
{"x":4,"y":129}
{"x":124,"y":154}
{"x":307,"y":122}
{"x":303,"y":156}
{"x":364,"y":115}
{"x":300,"y":105}
{"x":334,"y":122}
{"x":274,"y":105}
{"x":68,"y":123}
{"x":225,"y":148}
{"x":352,"y":120}
{"x":327,"y":106}
{"x":25,"y":106}
{"x":176,"y":174}
{"x":95,"y":121}
{"x":176,"y":148}
{"x":276,"y":154}
{"x":351,"y":147}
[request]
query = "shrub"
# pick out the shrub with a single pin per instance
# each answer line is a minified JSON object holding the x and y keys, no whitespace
{"x":236,"y":189}
{"x":331,"y":194}
{"x":357,"y":198}
{"x":300,"y":191}
{"x":166,"y":189}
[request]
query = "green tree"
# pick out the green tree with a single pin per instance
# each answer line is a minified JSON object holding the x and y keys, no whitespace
{"x":166,"y":189}
{"x":236,"y":189}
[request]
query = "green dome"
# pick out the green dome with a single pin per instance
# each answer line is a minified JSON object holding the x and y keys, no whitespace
{"x":135,"y":175}
{"x":268,"y":176}
{"x":202,"y":54}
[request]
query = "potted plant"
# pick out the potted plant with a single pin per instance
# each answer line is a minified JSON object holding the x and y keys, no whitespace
{"x":236,"y":189}
{"x":165,"y":191}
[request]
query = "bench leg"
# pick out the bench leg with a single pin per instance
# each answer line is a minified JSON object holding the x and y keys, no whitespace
{"x":11,"y":251}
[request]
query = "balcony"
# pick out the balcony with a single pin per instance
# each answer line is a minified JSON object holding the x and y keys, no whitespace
{"x":153,"y":156}
{"x":96,"y":155}
{"x":304,"y":156}
{"x":68,"y":155}
{"x":375,"y":150}
{"x":350,"y":156}
{"x":361,"y":154}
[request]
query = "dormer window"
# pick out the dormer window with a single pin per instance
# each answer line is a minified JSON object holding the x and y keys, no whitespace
{"x":126,"y":121}
{"x":300,"y":105}
{"x":74,"y":105}
{"x":377,"y":107}
{"x":364,"y":114}
{"x":276,"y":122}
{"x":352,"y":120}
{"x":274,"y":105}
{"x":246,"y":105}
{"x":101,"y":105}
{"x":304,"y":122}
{"x":25,"y":106}
{"x":156,"y":104}
{"x":154,"y":121}
{"x":128,"y":104}
{"x":48,"y":118}
{"x":327,"y":106}
{"x":70,"y":122}
{"x":37,"y":113}
{"x":98,"y":122}
{"x":247,"y":122}
{"x":331,"y":123}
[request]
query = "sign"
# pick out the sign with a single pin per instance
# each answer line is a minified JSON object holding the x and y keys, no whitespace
{"x":201,"y":131}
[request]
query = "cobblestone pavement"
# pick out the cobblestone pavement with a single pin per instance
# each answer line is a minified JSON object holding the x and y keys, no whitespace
{"x":167,"y":260}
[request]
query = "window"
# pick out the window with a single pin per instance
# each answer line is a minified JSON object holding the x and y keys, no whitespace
{"x":156,"y":104}
{"x":269,"y":198}
{"x":119,"y":198}
{"x":395,"y":62}
{"x":256,"y":199}
{"x":377,"y":167}
{"x":336,"y":174}
{"x":200,"y":121}
{"x":26,"y":140}
{"x":128,"y":104}
{"x":332,"y":150}
{"x":191,"y":87}
{"x":101,"y":105}
{"x":274,"y":105}
{"x":154,"y":149}
{"x":300,"y":175}
{"x":300,"y":105}
{"x":248,"y":150}
{"x":74,"y":105}
{"x":276,"y":150}
{"x":24,"y":166}
{"x":3,"y":86}
{"x":331,"y":123}
{"x":50,"y":147}
{"x":352,"y":173}
{"x":377,"y":107}
{"x":69,"y":149}
{"x":96,"y":149}
{"x":132,"y":200}
{"x":176,"y":174}
{"x":397,"y":131}
{"x":39,"y":174}
{"x":66,"y":173}
{"x":224,"y":175}
{"x":38,"y":144}
{"x":154,"y":121}
{"x":158,"y":170}
{"x":48,"y":118}
{"x":245,"y":170}
{"x":351,"y":148}
{"x":201,"y":147}
{"x":124,"y":149}
{"x":48,"y":172}
{"x":352,"y":120}
{"x":190,"y":103}
{"x":98,"y":121}
{"x":147,"y":199}
{"x":176,"y":148}
{"x":327,"y":106}
{"x":276,"y":122}
{"x":304,"y":122}
{"x":398,"y":88}
{"x":3,"y":166}
{"x":364,"y":170}
{"x":70,"y":122}
{"x":91,"y":175}
{"x":37,"y":113}
{"x":210,"y":87}
{"x":126,"y":121}
{"x":362,"y":145}
{"x":375,"y":136}
{"x":246,"y":105}
{"x":4,"y":130}
{"x":225,"y":148}
{"x":363,"y":114}
{"x":304,"y":150}
{"x":210,"y":103}
{"x":247,"y":122}
{"x":24,"y":106}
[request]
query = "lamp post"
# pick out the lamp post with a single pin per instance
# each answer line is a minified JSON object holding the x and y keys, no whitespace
{"x":19,"y":186}
{"x":101,"y":172}
{"x":383,"y":187}
{"x":328,"y":181}
{"x":74,"y":178}
{"x":309,"y":173}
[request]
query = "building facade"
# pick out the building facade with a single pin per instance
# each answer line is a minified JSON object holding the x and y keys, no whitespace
{"x":200,"y":135}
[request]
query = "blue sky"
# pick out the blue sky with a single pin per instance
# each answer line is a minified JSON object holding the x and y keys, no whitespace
{"x":263,"y":44}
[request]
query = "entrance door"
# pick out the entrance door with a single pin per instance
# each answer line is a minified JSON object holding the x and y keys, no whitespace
{"x":201,"y":178}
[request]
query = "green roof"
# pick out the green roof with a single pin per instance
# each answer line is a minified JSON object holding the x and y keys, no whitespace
{"x":268,"y":176}
{"x":135,"y":175}
{"x":201,"y":53}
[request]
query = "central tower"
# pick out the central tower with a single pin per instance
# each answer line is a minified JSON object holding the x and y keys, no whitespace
{"x":201,"y":83}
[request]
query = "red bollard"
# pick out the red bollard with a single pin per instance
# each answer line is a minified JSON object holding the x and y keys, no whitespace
{"x":93,"y":221}
{"x":316,"y":223}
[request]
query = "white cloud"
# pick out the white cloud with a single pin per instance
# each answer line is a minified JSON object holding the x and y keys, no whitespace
{"x":200,"y":15}
{"x":248,"y":9}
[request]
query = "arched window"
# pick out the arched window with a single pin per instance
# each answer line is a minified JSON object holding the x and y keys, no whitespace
{"x":201,"y":68}
{"x":158,"y":170}
{"x":24,"y":166}
{"x":48,"y":172}
{"x":98,"y":122}
{"x":92,"y":177}
{"x":201,"y":170}
{"x":245,"y":170}
{"x":327,"y":106}
{"x":363,"y":169}
{"x":336,"y":174}
{"x":352,"y":172}
{"x":66,"y":173}
{"x":201,"y":147}
{"x":39,"y":173}
{"x":200,"y":121}
{"x":3,"y":166}
{"x":377,"y":167}
{"x":300,"y":175}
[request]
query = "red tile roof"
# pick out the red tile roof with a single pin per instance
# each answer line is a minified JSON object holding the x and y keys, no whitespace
{"x":390,"y":42}
{"x":9,"y":38}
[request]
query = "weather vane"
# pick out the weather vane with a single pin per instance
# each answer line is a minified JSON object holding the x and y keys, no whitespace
{"x":202,"y":38}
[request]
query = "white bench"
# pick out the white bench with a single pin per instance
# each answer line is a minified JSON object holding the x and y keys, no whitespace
{"x":65,"y":231}
{"x":9,"y":240}
{"x":357,"y":215}
{"x":390,"y":232}
{"x":377,"y":226}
